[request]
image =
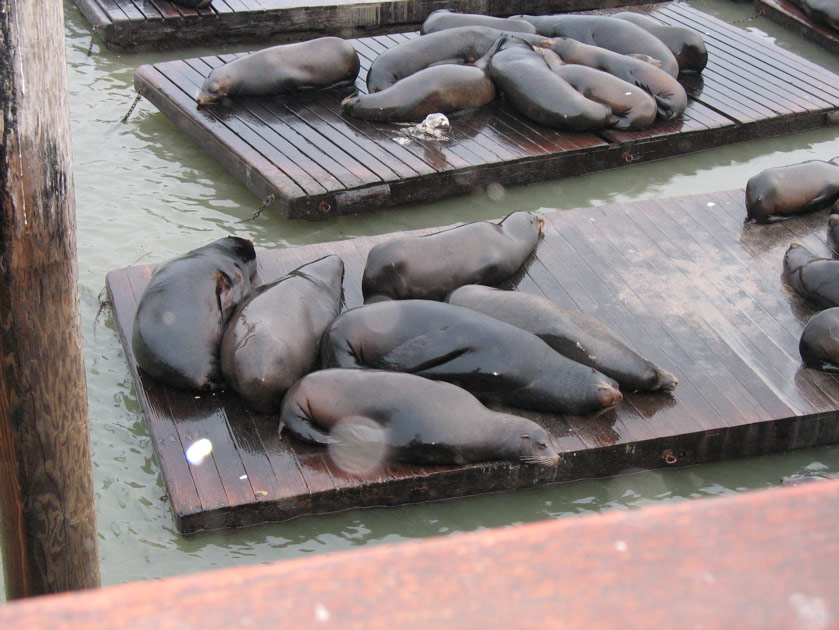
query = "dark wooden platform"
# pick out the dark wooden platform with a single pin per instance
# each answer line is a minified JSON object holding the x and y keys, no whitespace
{"x":767,"y":559}
{"x":134,"y":25}
{"x":303,"y":158}
{"x":790,"y":16}
{"x":683,"y":280}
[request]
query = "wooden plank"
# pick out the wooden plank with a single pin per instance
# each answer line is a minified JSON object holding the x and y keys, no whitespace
{"x":790,"y":16}
{"x":684,"y":281}
{"x":764,"y":559}
{"x":306,"y":158}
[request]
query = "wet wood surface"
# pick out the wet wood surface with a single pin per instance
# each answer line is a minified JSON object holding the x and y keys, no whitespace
{"x":305,"y":159}
{"x":790,"y":16}
{"x":683,"y":281}
{"x":767,"y":559}
{"x":134,"y":25}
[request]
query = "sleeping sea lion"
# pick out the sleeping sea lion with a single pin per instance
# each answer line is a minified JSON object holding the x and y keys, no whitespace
{"x":685,"y":43}
{"x":492,"y":359}
{"x":571,"y":333}
{"x":534,"y":90}
{"x":414,"y":419}
{"x":668,"y":93}
{"x":792,"y":189}
{"x":619,"y":36}
{"x":442,"y":19}
{"x":813,"y":277}
{"x":824,"y":12}
{"x":431,"y":266}
{"x":183,"y":310}
{"x":316,"y":63}
{"x":273,"y":338}
{"x":819,"y":345}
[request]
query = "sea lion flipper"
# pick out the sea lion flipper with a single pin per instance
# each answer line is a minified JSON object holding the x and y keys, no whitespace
{"x":413,"y":355}
{"x":305,"y":430}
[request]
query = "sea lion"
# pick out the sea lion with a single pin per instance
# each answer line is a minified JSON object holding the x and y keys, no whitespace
{"x":441,"y":89}
{"x":571,"y":333}
{"x":833,"y":224}
{"x":431,"y":266}
{"x":819,"y":345}
{"x":417,"y":420}
{"x":273,"y":338}
{"x":492,"y":359}
{"x":668,"y":93}
{"x":316,"y":63}
{"x":183,"y":310}
{"x":619,"y":36}
{"x":824,"y":12}
{"x":534,"y":90}
{"x":632,"y":108}
{"x":460,"y":45}
{"x":442,"y":19}
{"x":814,"y":277}
{"x":685,"y":43}
{"x":792,"y":189}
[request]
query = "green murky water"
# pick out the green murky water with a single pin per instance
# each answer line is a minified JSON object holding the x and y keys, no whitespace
{"x":145,"y":193}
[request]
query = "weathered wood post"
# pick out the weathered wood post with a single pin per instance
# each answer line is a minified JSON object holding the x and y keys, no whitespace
{"x":47,"y":517}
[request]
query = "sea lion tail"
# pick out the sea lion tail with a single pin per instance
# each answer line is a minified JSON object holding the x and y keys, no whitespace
{"x":351,"y":100}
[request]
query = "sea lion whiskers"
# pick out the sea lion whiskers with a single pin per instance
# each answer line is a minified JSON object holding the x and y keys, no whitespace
{"x":542,"y":460}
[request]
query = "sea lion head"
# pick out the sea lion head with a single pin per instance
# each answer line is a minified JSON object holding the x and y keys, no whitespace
{"x":537,"y":447}
{"x":215,"y":88}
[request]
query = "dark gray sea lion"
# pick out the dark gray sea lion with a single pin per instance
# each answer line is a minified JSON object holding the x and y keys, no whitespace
{"x":317,"y":63}
{"x":632,"y":108}
{"x":415,"y":419}
{"x":685,"y":43}
{"x":442,"y":19}
{"x":606,"y":32}
{"x":183,"y":310}
{"x":441,"y":89}
{"x":273,"y":338}
{"x":534,"y":90}
{"x":819,"y":345}
{"x":814,"y":277}
{"x":571,"y":333}
{"x":792,"y":189}
{"x":492,"y":359}
{"x":431,"y":266}
{"x":668,"y":93}
{"x":461,"y":45}
{"x":824,"y":12}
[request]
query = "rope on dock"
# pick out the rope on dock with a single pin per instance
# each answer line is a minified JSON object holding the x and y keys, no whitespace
{"x":759,"y":13}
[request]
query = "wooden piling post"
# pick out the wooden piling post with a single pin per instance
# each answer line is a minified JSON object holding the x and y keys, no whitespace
{"x":47,"y":515}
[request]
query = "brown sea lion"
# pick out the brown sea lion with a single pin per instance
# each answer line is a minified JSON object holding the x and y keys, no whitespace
{"x":492,"y":359}
{"x":685,"y":43}
{"x":273,"y":338}
{"x":442,"y":19}
{"x":819,"y":345}
{"x":632,"y":108}
{"x":534,"y":90}
{"x":183,"y":310}
{"x":792,"y":189}
{"x":460,"y":45}
{"x":813,"y":277}
{"x":668,"y":93}
{"x":571,"y":333}
{"x":316,"y":63}
{"x":440,"y":89}
{"x":606,"y":32}
{"x":414,"y":419}
{"x":431,"y":266}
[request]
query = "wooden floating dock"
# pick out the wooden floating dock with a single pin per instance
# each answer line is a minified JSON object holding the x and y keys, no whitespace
{"x":304,"y":159}
{"x":683,"y":280}
{"x":767,"y":559}
{"x":134,"y":25}
{"x":790,"y":16}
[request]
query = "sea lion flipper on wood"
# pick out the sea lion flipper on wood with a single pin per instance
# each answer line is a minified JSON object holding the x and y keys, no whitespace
{"x":303,"y":429}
